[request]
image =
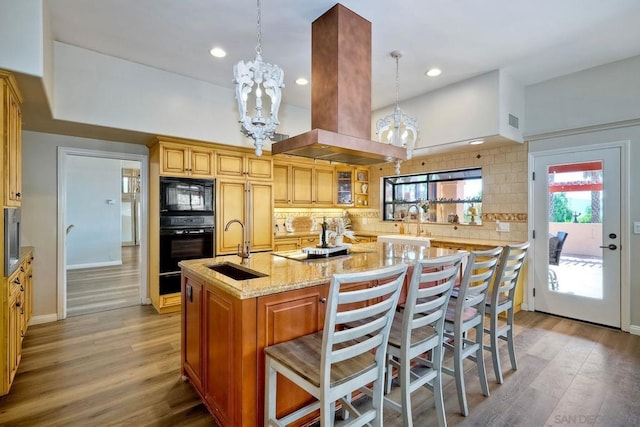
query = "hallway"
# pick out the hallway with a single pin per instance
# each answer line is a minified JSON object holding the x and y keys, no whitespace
{"x":92,"y":290}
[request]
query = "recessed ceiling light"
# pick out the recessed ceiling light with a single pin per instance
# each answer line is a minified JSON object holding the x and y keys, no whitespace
{"x":302,"y":81}
{"x":218,"y":52}
{"x":433,"y":72}
{"x":476,"y":142}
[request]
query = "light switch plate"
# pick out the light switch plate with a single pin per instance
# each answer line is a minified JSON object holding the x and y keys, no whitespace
{"x":636,"y":227}
{"x":503,"y":227}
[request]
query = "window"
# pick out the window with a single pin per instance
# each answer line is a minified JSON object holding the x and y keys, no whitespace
{"x":450,"y":196}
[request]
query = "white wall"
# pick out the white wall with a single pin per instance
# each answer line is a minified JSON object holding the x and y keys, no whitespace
{"x":102,"y":90}
{"x":598,"y":96}
{"x":39,"y":205}
{"x":474,"y":108}
{"x":22,"y":36}
{"x":93,"y":208}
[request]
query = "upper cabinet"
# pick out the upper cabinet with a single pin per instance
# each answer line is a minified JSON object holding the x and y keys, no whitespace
{"x":344,"y":186}
{"x":186,"y":160}
{"x":303,"y":185}
{"x":11,"y":133}
{"x":240,"y":165}
{"x":361,"y":188}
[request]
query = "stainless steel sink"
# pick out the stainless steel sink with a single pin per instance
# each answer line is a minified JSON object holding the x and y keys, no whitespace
{"x":235,"y":271}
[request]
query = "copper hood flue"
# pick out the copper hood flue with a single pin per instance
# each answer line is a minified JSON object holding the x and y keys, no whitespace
{"x":340,"y":95}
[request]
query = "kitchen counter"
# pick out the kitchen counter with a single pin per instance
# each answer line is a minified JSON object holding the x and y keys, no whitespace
{"x":283,"y":274}
{"x":226,"y":323}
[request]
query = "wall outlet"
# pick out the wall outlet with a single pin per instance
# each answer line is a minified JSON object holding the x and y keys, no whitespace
{"x":636,"y":227}
{"x":503,"y":227}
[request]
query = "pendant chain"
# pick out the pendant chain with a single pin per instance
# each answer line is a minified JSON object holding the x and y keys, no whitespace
{"x":258,"y":46}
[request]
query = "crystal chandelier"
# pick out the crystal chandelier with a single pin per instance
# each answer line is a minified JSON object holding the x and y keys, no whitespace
{"x":398,"y":128}
{"x":268,"y":79}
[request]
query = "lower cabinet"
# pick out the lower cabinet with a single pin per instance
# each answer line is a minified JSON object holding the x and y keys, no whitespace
{"x":17,"y":290}
{"x":282,"y":317}
{"x":286,"y":244}
{"x":223,"y":338}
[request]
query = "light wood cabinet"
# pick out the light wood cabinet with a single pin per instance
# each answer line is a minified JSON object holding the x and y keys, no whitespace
{"x":344,"y":186}
{"x":323,"y":185}
{"x":239,"y":165}
{"x":361,"y":188}
{"x":186,"y":160}
{"x":250,"y":202}
{"x":288,"y":244}
{"x":17,"y":304}
{"x":11,"y":134}
{"x":281,"y":184}
{"x":309,"y":241}
{"x":303,"y":185}
{"x":294,"y":243}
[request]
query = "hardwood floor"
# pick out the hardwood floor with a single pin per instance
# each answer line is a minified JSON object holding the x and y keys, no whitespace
{"x":92,"y":290}
{"x":122,"y":367}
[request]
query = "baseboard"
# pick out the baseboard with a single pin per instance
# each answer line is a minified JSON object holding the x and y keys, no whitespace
{"x":44,"y":318}
{"x":94,"y":265}
{"x":634,"y":330}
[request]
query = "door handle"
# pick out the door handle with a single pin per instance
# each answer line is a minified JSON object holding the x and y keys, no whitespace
{"x":611,"y":246}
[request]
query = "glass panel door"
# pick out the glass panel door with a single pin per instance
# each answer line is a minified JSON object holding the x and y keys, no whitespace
{"x":577,"y":244}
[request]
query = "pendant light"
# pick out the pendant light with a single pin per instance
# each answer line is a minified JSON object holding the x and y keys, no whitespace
{"x":398,"y":128}
{"x":258,"y":78}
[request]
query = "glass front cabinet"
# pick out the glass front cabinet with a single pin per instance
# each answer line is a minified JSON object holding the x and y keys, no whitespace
{"x":344,"y":186}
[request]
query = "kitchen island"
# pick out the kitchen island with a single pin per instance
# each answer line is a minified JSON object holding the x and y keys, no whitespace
{"x":227,"y":323}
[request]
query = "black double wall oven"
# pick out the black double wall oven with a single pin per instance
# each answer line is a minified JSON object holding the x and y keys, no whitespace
{"x":186,"y":226}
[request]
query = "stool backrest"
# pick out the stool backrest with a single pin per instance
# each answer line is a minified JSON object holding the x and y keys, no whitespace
{"x":371,"y":305}
{"x":511,"y":261}
{"x":478,"y":275}
{"x":429,"y":291}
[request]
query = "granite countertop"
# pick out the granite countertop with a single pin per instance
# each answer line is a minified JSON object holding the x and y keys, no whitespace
{"x":285,"y":274}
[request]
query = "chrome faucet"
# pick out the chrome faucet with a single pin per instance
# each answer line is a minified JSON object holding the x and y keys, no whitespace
{"x":419,"y":221}
{"x":244,"y":250}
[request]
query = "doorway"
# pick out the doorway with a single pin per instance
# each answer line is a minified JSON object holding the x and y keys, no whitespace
{"x":577,"y":225}
{"x":102,"y":231}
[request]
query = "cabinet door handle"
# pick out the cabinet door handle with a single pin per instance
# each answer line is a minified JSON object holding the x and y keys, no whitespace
{"x":323,"y":300}
{"x":18,"y":194}
{"x":190,"y":293}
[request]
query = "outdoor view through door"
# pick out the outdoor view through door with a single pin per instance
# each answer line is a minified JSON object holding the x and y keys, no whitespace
{"x":577,"y":235}
{"x":575,"y":228}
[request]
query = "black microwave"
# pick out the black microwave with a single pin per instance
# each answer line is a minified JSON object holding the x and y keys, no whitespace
{"x":184,"y":196}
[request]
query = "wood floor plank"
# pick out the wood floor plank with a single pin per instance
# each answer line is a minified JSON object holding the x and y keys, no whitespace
{"x":92,"y":290}
{"x":122,"y":368}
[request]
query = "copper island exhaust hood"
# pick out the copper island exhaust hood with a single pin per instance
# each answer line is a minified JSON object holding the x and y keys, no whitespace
{"x":340,"y":95}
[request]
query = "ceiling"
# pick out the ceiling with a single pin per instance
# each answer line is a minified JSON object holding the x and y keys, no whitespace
{"x":532,"y":40}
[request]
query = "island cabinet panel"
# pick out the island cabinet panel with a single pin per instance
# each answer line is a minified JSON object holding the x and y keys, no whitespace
{"x":283,"y":317}
{"x":192,"y":319}
{"x":218,"y":335}
{"x":219,"y":352}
